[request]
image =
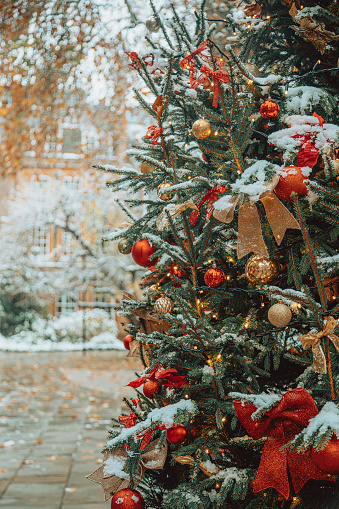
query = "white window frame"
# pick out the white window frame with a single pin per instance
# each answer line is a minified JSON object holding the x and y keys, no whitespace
{"x":65,"y":305}
{"x":42,"y":239}
{"x":104,"y":298}
{"x":72,"y":182}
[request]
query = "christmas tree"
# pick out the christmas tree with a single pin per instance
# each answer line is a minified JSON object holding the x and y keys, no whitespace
{"x":237,"y":404}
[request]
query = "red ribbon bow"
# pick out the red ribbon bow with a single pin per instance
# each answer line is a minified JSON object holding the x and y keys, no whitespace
{"x":308,"y":153}
{"x":189,"y":62}
{"x":280,"y":425}
{"x":161,"y":375}
{"x":210,"y":197}
{"x":153,"y":133}
{"x":217,"y":76}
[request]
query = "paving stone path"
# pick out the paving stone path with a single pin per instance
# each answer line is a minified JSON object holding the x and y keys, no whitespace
{"x":55,"y":409}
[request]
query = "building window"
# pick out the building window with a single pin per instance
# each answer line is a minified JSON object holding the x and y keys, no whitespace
{"x":66,"y":305}
{"x":104,"y":301}
{"x":41,"y":184}
{"x":71,"y":142}
{"x":66,"y":243}
{"x":72,"y":183}
{"x":41,"y":240}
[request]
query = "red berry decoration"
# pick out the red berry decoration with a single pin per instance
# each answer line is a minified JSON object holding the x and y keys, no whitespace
{"x":214,"y":277}
{"x":127,"y":499}
{"x":327,"y":459}
{"x":127,"y":340}
{"x":291,"y":180}
{"x":141,"y":253}
{"x":176,"y":434}
{"x":150,"y":388}
{"x":269,"y":109}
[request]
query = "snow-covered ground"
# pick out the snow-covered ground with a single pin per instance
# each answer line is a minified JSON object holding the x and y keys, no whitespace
{"x":66,"y":333}
{"x":104,"y":341}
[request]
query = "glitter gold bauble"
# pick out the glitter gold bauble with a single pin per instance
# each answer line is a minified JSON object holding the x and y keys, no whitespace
{"x":261,"y":270}
{"x":269,"y":109}
{"x":164,"y":196}
{"x":291,"y":180}
{"x":164,"y":305}
{"x":279,"y":315}
{"x":124,"y":246}
{"x":152,"y":24}
{"x":201,"y":128}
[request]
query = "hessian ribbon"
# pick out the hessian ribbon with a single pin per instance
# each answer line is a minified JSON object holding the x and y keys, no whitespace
{"x":189,"y":62}
{"x":313,"y":340}
{"x":153,"y":133}
{"x":250,"y":238}
{"x":210,"y":197}
{"x":173,"y":211}
{"x":280,"y":425}
{"x":151,"y":458}
{"x":217,"y":76}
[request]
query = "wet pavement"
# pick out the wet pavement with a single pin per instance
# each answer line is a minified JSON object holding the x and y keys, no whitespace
{"x":55,"y":410}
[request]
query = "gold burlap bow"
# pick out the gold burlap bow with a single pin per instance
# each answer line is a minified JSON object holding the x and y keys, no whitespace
{"x":313,"y":340}
{"x":250,"y":238}
{"x":151,"y":458}
{"x":174,"y":211}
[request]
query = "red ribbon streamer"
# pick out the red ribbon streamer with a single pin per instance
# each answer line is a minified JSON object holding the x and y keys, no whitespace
{"x":128,"y":420}
{"x":210,"y":197}
{"x":280,"y":425}
{"x":153,"y":133}
{"x":308,"y":153}
{"x":189,"y":62}
{"x":217,"y":76}
{"x":136,"y":60}
{"x":147,"y":435}
{"x":161,"y":375}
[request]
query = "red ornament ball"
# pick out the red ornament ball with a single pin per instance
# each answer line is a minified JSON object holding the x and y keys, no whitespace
{"x":291,"y":180}
{"x":214,"y":277}
{"x":127,"y":499}
{"x":176,"y":434}
{"x":327,"y":459}
{"x":150,"y":388}
{"x":269,"y":109}
{"x":127,"y":340}
{"x":141,"y":253}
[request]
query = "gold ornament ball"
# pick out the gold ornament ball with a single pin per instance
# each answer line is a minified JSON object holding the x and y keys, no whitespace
{"x":201,"y":128}
{"x":164,"y":196}
{"x":279,"y":315}
{"x":145,"y":169}
{"x":253,"y":69}
{"x":164,"y":305}
{"x":124,"y":246}
{"x":153,"y":291}
{"x":261,"y":270}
